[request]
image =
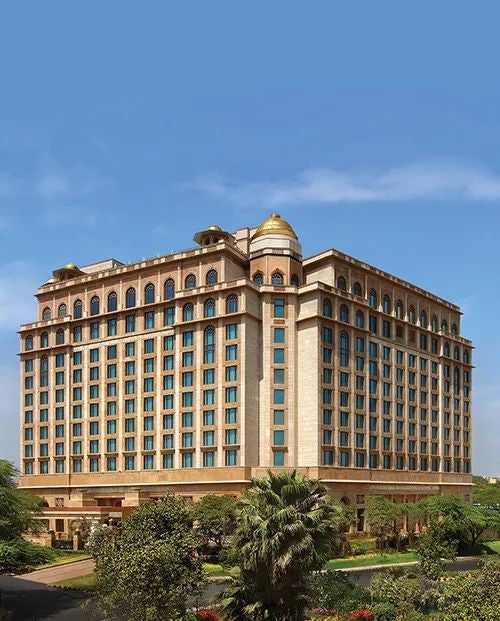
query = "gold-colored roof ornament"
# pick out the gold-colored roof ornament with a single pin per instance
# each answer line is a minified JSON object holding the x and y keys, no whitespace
{"x":213,"y":234}
{"x":274,"y":225}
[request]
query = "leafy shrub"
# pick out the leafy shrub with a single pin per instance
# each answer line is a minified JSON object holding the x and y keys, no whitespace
{"x":472,"y":596}
{"x":228,"y":558}
{"x":19,"y":555}
{"x":394,"y":585}
{"x":385,"y":611}
{"x":336,"y":590}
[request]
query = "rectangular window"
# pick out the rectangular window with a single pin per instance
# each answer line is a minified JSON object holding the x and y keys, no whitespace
{"x":231,"y":436}
{"x":279,"y":417}
{"x":149,"y":320}
{"x":278,"y":458}
{"x":130,"y":327}
{"x":208,"y":459}
{"x":129,"y":425}
{"x":208,"y":418}
{"x":231,"y":331}
{"x":231,"y":352}
{"x":231,"y":374}
{"x":112,"y":324}
{"x":231,"y":416}
{"x":279,"y":308}
{"x":279,"y":335}
{"x":278,"y":437}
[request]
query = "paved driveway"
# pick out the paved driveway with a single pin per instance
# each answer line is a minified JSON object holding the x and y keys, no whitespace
{"x":33,"y":601}
{"x":57,"y":573}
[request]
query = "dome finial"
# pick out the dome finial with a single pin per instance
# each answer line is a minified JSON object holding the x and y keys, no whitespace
{"x":274,"y":225}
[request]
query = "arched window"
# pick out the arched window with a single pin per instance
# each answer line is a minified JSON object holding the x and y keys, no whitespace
{"x":295,"y":280}
{"x":454,"y":329}
{"x":149,"y":293}
{"x":130,"y":298}
{"x":466,"y":357}
{"x":46,"y":313}
{"x":258,"y":278}
{"x":456,"y":353}
{"x":209,"y":345}
{"x":341,"y":283}
{"x":212,"y":277}
{"x":62,"y":310}
{"x":190,"y":281}
{"x":28,"y":343}
{"x":209,"y":308}
{"x":344,"y":313}
{"x":344,"y":349}
{"x":232,"y":304}
{"x":446,"y":349}
{"x":112,"y":302}
{"x":360,"y":319}
{"x":94,"y":305}
{"x":423,"y":320}
{"x":277,"y":278}
{"x":444,"y":326}
{"x":386,"y":305}
{"x":399,"y":309}
{"x":60,"y":337}
{"x":44,"y":339}
{"x":77,"y":309}
{"x":357,"y":289}
{"x":434,"y":323}
{"x":187,"y":312}
{"x":327,"y":307}
{"x":372,"y":299}
{"x":412,"y":317}
{"x":169,"y":289}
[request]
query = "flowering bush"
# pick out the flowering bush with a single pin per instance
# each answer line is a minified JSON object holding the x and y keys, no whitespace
{"x":324,"y":612}
{"x":206,"y":614}
{"x":362,"y":614}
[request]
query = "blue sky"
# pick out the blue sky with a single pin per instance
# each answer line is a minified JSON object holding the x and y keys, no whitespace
{"x":372,"y":126}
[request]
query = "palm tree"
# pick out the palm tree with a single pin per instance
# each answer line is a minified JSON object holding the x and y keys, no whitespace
{"x":287,"y":524}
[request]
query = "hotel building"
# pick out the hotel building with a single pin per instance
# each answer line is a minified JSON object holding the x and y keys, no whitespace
{"x":197,"y":370}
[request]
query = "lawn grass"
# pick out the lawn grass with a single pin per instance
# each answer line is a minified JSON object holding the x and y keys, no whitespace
{"x":64,"y":556}
{"x":87,"y":583}
{"x":212,"y":569}
{"x":363,"y":560}
{"x":494,"y":546}
{"x":366,"y":560}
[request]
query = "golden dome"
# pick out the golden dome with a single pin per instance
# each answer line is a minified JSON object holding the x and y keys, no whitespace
{"x":214,"y":227}
{"x":70,"y":266}
{"x":274,"y":225}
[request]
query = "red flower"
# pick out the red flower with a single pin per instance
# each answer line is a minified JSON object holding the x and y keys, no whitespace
{"x":363,"y":614}
{"x":207,"y":615}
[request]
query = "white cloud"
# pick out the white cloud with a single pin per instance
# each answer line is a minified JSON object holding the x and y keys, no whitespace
{"x":329,"y":186}
{"x":18,"y":281}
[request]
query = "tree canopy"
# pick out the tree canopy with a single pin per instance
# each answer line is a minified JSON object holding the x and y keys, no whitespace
{"x":18,"y":509}
{"x":286,"y":526}
{"x":149,"y":571}
{"x":216,"y":517}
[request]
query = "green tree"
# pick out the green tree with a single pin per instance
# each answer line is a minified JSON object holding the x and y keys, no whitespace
{"x":149,"y":571}
{"x":434,"y":548}
{"x":18,"y":509}
{"x":485,"y":493}
{"x":216,"y":517}
{"x":384,"y":518}
{"x":18,"y":515}
{"x":286,"y":526}
{"x":458,"y":521}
